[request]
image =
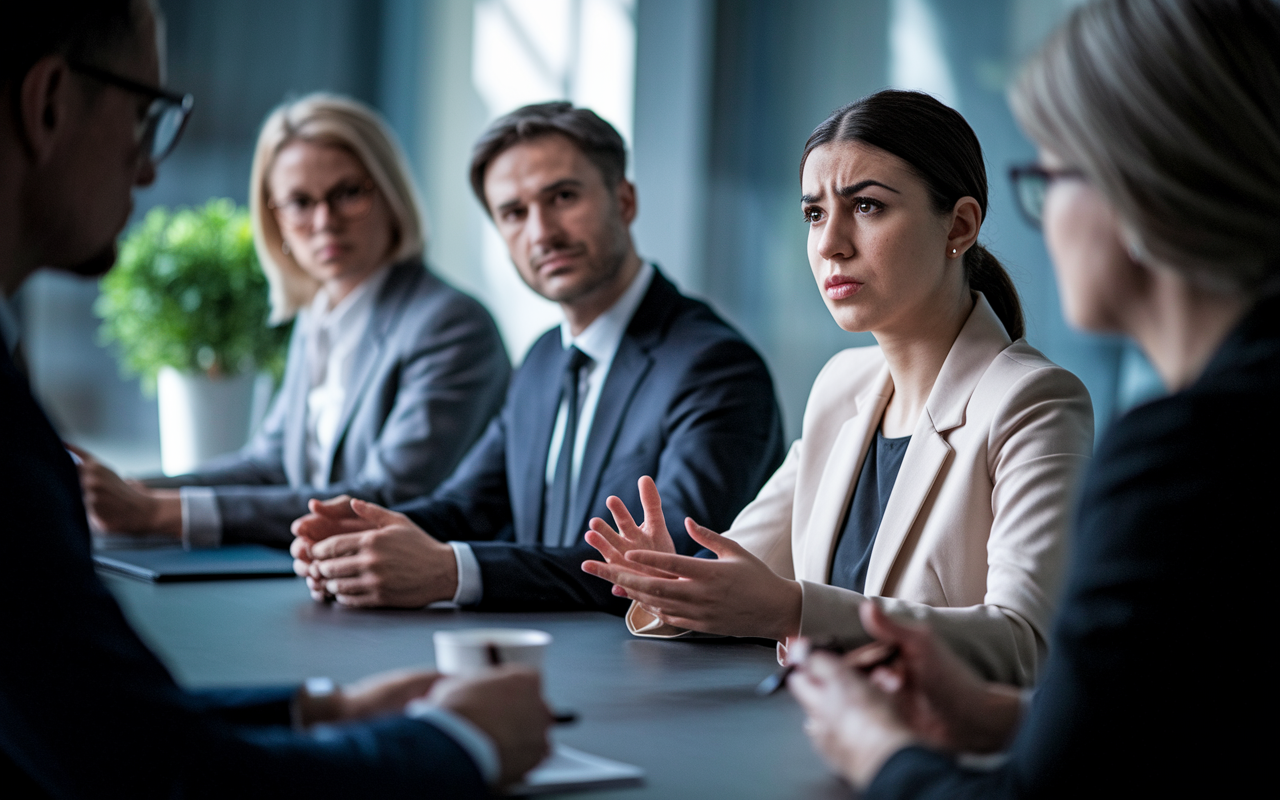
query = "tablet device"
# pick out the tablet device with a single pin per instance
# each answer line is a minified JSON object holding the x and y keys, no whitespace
{"x":168,"y":564}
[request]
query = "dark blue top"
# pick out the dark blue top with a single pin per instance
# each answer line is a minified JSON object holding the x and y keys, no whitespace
{"x":866,"y":509}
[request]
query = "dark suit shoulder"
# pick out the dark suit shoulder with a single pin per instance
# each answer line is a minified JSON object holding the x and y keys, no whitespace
{"x":666,"y":313}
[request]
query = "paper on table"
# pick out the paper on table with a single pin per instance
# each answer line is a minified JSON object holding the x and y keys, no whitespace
{"x":570,"y":770}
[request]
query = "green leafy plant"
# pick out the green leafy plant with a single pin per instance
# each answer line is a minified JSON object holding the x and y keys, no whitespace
{"x":187,"y":293}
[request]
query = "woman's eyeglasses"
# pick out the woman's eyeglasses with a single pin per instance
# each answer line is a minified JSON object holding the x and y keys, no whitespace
{"x":1031,"y":184}
{"x":346,"y":200}
{"x":166,"y":116}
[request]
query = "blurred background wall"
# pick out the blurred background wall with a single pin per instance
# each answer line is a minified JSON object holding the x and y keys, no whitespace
{"x":714,"y":97}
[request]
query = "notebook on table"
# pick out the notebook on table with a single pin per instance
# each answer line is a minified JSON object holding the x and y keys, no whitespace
{"x":570,"y":770}
{"x":173,"y":563}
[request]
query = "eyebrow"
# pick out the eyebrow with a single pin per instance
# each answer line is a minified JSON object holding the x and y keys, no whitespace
{"x":563,"y":183}
{"x":549,"y":188}
{"x":849,"y":191}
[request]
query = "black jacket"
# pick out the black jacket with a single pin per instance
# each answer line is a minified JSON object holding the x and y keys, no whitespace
{"x":86,"y":710}
{"x":1156,"y":675}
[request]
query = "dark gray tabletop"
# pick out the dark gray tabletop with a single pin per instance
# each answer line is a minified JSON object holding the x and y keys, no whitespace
{"x":685,"y":711}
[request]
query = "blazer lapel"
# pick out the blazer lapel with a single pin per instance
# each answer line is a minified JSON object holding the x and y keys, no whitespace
{"x":533,"y":420}
{"x":981,"y":339}
{"x":390,"y":304}
{"x":839,"y":476}
{"x":924,"y":459}
{"x":629,"y":367}
{"x":294,"y":446}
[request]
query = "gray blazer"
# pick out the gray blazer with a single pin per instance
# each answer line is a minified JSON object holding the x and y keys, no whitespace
{"x":431,"y":370}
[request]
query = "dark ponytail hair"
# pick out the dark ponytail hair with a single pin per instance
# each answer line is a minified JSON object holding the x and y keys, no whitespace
{"x":943,"y":151}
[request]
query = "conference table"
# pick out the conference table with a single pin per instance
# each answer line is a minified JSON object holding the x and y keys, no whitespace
{"x":684,"y":711}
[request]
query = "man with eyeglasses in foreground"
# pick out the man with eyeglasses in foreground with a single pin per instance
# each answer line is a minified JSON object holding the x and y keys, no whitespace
{"x":85,"y":708}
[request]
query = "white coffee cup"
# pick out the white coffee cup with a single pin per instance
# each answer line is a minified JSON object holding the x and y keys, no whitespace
{"x":472,"y":650}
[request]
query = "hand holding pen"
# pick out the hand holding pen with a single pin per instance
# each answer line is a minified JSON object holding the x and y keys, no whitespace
{"x":494,"y":656}
{"x":864,"y":659}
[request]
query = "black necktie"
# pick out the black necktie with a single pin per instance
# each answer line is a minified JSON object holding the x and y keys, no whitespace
{"x":555,"y":517}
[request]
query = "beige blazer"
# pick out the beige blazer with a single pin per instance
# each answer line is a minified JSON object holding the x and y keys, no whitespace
{"x":973,"y":540}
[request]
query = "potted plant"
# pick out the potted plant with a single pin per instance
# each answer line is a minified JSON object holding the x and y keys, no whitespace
{"x":186,"y":307}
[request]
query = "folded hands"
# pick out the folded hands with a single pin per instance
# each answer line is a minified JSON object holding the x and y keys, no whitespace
{"x":362,"y":554}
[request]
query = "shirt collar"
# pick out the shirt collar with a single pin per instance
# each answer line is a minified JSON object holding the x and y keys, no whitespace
{"x":349,"y":307}
{"x":601,"y":338}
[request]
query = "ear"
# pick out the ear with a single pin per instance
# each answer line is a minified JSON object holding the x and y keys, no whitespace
{"x":966,"y":221}
{"x":628,"y":205}
{"x":44,"y":105}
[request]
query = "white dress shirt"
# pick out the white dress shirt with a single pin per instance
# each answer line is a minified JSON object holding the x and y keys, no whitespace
{"x":333,"y":335}
{"x":600,"y":341}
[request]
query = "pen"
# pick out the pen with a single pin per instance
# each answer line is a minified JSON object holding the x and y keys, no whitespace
{"x":865,"y":659}
{"x":561,"y":717}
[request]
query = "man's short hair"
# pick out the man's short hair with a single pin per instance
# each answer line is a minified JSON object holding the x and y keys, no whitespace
{"x":83,"y":31}
{"x":597,"y":139}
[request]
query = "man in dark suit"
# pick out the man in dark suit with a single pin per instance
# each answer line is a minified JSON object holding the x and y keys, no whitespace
{"x":86,"y":710}
{"x":638,"y":380}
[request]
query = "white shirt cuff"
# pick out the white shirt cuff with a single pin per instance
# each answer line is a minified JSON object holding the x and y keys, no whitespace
{"x":470,"y":585}
{"x":201,"y":520}
{"x":474,"y":741}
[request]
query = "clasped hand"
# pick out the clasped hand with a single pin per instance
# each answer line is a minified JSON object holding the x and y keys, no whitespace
{"x":860,"y":714}
{"x":364,"y":555}
{"x":735,"y":594}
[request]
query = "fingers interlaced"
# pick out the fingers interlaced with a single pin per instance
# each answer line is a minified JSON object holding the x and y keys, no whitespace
{"x":346,"y":567}
{"x":336,"y":546}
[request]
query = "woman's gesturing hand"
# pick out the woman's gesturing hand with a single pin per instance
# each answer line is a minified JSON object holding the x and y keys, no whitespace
{"x":735,"y":594}
{"x":651,"y":535}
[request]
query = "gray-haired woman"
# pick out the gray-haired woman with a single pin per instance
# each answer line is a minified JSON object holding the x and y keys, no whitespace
{"x":1158,"y":186}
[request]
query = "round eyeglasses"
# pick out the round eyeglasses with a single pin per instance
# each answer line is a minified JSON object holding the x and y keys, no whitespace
{"x":348,"y":201}
{"x":166,"y":117}
{"x":1031,"y":184}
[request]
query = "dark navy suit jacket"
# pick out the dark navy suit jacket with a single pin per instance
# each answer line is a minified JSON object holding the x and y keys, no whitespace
{"x":686,"y":401}
{"x":86,"y":710}
{"x":1157,"y":681}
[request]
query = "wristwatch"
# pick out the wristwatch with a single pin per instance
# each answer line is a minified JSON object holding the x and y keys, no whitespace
{"x":316,"y":701}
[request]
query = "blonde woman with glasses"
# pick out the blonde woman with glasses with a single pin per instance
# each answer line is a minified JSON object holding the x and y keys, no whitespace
{"x":391,"y":374}
{"x":1158,"y":188}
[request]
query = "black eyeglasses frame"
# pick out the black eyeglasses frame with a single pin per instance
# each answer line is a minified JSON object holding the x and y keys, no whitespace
{"x":1018,"y":174}
{"x":183,"y":103}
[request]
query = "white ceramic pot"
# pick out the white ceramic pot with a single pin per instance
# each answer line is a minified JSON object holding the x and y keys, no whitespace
{"x":203,"y":417}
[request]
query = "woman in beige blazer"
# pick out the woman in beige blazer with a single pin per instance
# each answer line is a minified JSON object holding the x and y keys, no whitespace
{"x":969,"y":438}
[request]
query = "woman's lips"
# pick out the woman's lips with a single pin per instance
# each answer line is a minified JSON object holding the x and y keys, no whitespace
{"x":838,"y":287}
{"x":330,"y":252}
